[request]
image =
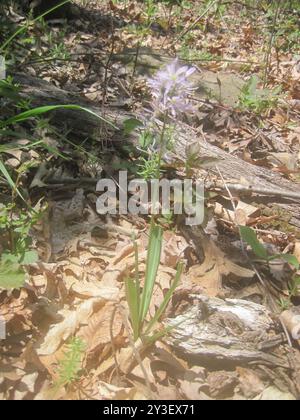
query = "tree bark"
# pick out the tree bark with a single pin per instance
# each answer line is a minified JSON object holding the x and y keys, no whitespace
{"x":81,"y":124}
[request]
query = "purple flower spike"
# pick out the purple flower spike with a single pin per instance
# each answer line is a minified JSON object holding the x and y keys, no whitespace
{"x":171,"y":89}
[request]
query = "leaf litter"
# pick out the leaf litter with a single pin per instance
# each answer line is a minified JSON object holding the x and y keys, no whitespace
{"x":77,"y":288}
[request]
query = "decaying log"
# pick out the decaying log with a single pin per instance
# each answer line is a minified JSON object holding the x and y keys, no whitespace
{"x":83,"y":125}
{"x":234,"y":169}
{"x":232,"y":330}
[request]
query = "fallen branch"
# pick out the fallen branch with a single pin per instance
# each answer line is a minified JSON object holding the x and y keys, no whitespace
{"x":251,"y":189}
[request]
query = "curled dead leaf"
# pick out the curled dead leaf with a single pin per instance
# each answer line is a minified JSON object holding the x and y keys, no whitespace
{"x":209,"y":274}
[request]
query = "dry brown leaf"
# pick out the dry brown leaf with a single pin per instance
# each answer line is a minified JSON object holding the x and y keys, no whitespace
{"x":221,"y":383}
{"x":191,"y":390}
{"x":173,"y":250}
{"x":123,"y":263}
{"x":29,"y":381}
{"x":209,"y":274}
{"x":98,"y":331}
{"x":291,"y":319}
{"x":86,"y":289}
{"x":104,"y":366}
{"x":62,"y":331}
{"x":249,"y":382}
{"x":112,"y":392}
{"x":164,"y":354}
{"x":284,"y":159}
{"x":240,"y":216}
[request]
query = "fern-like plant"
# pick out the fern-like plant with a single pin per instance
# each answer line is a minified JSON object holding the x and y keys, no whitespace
{"x":70,"y":365}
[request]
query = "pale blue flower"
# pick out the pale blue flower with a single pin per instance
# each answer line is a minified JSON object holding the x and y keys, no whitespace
{"x":171,"y":89}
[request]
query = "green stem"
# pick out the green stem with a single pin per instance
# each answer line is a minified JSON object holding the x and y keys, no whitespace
{"x":272,"y":37}
{"x":155,"y":198}
{"x":162,"y":144}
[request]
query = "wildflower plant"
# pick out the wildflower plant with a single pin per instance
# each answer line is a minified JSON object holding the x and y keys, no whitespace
{"x":171,"y":90}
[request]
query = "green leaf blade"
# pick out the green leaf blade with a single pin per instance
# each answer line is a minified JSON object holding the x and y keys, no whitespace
{"x":289,"y":258}
{"x":130,"y":125}
{"x":9,"y":179}
{"x":249,"y":236}
{"x":153,"y":260}
{"x":35,"y":112}
{"x":132,"y":300}
{"x":166,"y":300}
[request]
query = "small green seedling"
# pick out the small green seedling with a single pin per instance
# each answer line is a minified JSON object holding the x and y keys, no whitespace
{"x":70,"y":365}
{"x":14,"y":229}
{"x":249,"y":236}
{"x":258,"y":100}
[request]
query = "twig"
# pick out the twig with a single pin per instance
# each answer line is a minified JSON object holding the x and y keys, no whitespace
{"x":269,"y":232}
{"x":135,"y":66}
{"x":182,"y":34}
{"x":232,"y":203}
{"x":226,"y":188}
{"x":72,"y":181}
{"x":269,"y":50}
{"x":263,"y":231}
{"x":221,"y":60}
{"x":68,"y":59}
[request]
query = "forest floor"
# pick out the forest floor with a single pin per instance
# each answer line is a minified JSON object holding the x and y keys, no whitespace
{"x":68,"y":333}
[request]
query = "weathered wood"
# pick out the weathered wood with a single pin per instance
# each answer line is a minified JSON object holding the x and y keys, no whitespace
{"x":42,"y":93}
{"x":83,"y":125}
{"x":232,"y":330}
{"x":233,"y":169}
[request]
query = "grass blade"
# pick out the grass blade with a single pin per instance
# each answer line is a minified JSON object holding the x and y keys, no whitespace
{"x":132,"y":300}
{"x":44,"y":109}
{"x":8,"y":178}
{"x":167,"y":298}
{"x":137,"y":279}
{"x":153,"y":259}
{"x":161,"y":333}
